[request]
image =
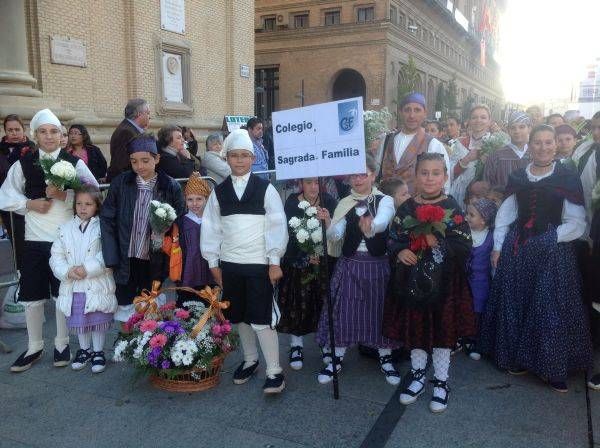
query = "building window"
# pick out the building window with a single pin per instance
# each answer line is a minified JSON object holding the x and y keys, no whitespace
{"x":401,"y":20}
{"x":394,"y":15}
{"x":365,"y":14}
{"x":269,"y":23}
{"x":266,"y":91}
{"x":301,"y":21}
{"x":332,"y":18}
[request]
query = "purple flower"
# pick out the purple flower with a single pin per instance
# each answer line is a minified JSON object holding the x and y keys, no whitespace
{"x":165,"y":364}
{"x":153,"y":356}
{"x":172,"y":327}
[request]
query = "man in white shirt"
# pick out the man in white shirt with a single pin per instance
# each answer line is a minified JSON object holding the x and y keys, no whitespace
{"x":244,"y":235}
{"x":402,"y":148}
{"x":45,"y":208}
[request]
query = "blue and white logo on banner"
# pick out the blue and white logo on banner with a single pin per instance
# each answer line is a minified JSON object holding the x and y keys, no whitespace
{"x":347,"y":116}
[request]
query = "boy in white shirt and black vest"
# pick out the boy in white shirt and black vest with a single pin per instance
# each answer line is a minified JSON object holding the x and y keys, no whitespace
{"x":244,"y":235}
{"x":45,"y":208}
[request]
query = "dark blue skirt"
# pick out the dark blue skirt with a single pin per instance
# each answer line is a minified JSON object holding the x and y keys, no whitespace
{"x":535,"y":317}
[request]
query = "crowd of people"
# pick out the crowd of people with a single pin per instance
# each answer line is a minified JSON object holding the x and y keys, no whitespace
{"x":484,"y":239}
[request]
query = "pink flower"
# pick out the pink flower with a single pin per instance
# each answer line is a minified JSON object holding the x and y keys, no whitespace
{"x":216,"y":330}
{"x":182,"y":314}
{"x":158,"y":340}
{"x":168,"y":306}
{"x":148,"y":325}
{"x":226,"y":327}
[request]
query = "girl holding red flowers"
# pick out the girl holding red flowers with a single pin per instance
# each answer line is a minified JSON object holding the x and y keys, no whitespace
{"x":428,"y":305}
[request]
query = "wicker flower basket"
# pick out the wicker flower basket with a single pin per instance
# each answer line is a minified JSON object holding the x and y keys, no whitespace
{"x":195,"y":380}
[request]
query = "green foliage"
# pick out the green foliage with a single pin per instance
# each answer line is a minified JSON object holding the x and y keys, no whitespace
{"x":408,"y":80}
{"x":451,"y":95}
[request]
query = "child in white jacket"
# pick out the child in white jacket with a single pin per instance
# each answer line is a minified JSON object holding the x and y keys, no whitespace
{"x":87,"y":288}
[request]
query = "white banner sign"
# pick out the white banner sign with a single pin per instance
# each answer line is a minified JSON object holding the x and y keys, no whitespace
{"x":321,"y":140}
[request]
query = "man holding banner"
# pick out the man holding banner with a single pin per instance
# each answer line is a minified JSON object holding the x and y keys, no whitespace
{"x":402,"y":148}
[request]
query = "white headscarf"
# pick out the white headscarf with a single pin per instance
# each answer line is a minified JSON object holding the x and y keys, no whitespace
{"x":44,"y":116}
{"x":238,"y":139}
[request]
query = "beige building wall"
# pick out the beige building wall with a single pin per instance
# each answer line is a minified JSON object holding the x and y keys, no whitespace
{"x":123,"y":61}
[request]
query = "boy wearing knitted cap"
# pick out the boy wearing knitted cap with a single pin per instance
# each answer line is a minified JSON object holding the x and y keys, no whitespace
{"x":244,"y":235}
{"x":45,"y":208}
{"x":481,"y":213}
{"x":513,"y":156}
{"x":125,"y":223}
{"x":188,"y":268}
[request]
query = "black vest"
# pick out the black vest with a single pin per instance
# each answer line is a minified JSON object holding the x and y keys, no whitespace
{"x":35,"y":185}
{"x":538,"y":209}
{"x":252,"y":201}
{"x":376,"y":245}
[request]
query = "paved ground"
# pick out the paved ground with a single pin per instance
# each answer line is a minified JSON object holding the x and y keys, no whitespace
{"x":50,"y":407}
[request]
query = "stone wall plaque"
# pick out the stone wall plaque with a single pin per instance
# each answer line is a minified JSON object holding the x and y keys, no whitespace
{"x":67,"y":51}
{"x":172,"y":77}
{"x":172,"y":15}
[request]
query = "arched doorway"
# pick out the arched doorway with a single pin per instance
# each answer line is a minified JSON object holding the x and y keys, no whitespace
{"x":348,"y":84}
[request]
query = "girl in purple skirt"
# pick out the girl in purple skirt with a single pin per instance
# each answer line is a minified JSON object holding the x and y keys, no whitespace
{"x":358,"y":234}
{"x":87,"y":288}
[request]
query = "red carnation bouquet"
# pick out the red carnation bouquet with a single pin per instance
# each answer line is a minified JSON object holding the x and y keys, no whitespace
{"x":428,"y":218}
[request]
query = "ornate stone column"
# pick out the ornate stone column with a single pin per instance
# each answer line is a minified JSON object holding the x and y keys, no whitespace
{"x":15,"y":78}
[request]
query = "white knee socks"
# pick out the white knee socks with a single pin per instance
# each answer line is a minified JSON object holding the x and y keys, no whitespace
{"x":296,"y":341}
{"x":62,"y":332}
{"x":84,"y":340}
{"x":418,"y":359}
{"x":248,"y":342}
{"x":269,"y":344}
{"x":34,"y":317}
{"x":441,"y":363}
{"x":98,"y":338}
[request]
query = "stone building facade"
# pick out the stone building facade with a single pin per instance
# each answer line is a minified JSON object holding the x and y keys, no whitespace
{"x":319,"y":50}
{"x":125,"y":45}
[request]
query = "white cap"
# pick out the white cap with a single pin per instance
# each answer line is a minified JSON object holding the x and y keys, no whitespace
{"x":44,"y":116}
{"x":238,"y":139}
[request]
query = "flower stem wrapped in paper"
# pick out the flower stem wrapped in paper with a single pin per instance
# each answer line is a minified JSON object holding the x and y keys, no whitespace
{"x":309,"y":236}
{"x":162,"y":216}
{"x":60,"y":173}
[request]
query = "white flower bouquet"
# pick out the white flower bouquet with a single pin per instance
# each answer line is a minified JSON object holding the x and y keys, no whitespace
{"x":376,"y":122}
{"x":490,"y":144}
{"x":162,"y":216}
{"x":308,"y":233}
{"x":60,"y":173}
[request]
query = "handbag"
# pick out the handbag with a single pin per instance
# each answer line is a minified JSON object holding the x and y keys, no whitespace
{"x":423,"y":284}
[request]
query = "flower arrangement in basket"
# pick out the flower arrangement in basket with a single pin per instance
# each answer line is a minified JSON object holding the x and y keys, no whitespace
{"x":162,"y":216}
{"x":309,"y":234}
{"x":182,"y":349}
{"x":428,"y":219}
{"x":60,"y":173}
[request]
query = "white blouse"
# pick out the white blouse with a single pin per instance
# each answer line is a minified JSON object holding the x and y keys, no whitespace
{"x":383,"y":218}
{"x":244,"y":239}
{"x":38,"y":226}
{"x":573,"y":216}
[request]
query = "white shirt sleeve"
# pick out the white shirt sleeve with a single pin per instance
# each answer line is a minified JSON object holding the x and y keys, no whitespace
{"x":384,"y":216}
{"x":507,"y":213}
{"x":437,"y":147}
{"x":573,"y":226}
{"x":12,"y":192}
{"x":336,"y":232}
{"x":211,"y":234}
{"x":276,"y":230}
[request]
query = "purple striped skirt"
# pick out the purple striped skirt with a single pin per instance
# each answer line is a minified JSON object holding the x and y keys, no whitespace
{"x":79,"y":322}
{"x":358,"y":289}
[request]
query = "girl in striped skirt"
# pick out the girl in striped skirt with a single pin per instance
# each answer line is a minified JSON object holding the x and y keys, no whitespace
{"x":358,"y":232}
